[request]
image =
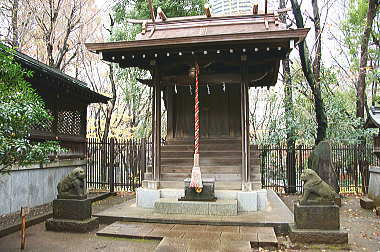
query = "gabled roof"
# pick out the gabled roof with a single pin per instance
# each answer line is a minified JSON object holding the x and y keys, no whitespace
{"x":187,"y":32}
{"x":60,"y":77}
{"x":373,"y":120}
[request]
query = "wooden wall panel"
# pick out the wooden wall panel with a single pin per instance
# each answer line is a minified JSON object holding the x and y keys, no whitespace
{"x":219,"y":111}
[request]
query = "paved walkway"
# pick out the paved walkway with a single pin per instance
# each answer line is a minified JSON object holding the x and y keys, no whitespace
{"x":179,"y":237}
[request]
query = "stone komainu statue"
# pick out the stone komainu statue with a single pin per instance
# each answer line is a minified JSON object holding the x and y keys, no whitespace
{"x":72,"y":186}
{"x":315,"y":190}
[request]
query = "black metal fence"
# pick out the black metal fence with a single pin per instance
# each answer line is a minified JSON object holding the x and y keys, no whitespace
{"x":119,"y":165}
{"x":350,"y":162}
{"x":116,"y":165}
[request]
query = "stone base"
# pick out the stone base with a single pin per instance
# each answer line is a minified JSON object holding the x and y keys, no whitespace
{"x":146,"y":198}
{"x":317,"y":236}
{"x":374,"y":184}
{"x":217,"y":208}
{"x":367,"y":203}
{"x":247,"y":201}
{"x":207,"y":193}
{"x":324,"y":217}
{"x":72,"y":209}
{"x":76,"y":226}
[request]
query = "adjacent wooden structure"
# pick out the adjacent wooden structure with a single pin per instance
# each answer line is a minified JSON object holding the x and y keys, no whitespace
{"x":234,"y":53}
{"x":66,"y":99}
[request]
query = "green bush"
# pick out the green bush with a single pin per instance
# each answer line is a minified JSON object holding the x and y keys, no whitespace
{"x":20,"y":109}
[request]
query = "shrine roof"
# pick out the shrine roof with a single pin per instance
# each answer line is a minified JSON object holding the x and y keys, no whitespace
{"x":201,"y":30}
{"x":373,"y":120}
{"x":61,"y":80}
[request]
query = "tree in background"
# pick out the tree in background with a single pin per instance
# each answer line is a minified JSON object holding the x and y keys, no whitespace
{"x":311,"y":67}
{"x":20,"y":109}
{"x":361,"y":30}
{"x":49,"y":31}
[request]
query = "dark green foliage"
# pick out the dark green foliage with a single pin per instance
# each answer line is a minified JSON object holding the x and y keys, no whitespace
{"x":139,"y":9}
{"x":20,"y":109}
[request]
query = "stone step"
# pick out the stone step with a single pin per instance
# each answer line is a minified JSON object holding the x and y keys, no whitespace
{"x":217,"y":208}
{"x":217,"y":177}
{"x":186,"y":244}
{"x":205,"y":154}
{"x":220,"y":185}
{"x":208,"y":169}
{"x":202,"y":161}
{"x":219,"y":140}
{"x":206,"y":147}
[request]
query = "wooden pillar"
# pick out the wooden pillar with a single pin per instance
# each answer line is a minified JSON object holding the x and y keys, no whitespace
{"x":156,"y":126}
{"x":244,"y":101}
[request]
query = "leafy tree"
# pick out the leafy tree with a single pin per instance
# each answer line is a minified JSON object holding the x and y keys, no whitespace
{"x":359,"y":30}
{"x":20,"y":109}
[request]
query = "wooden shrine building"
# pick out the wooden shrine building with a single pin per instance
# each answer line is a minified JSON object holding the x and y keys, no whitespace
{"x":66,"y":100}
{"x":234,"y":53}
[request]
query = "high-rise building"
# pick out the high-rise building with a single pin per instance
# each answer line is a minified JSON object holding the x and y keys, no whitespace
{"x":231,"y":7}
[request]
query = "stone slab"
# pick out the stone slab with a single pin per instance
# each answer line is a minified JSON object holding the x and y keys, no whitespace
{"x":76,"y":226}
{"x":72,"y":209}
{"x":223,"y":208}
{"x":226,"y":194}
{"x":146,"y":198}
{"x":262,"y":199}
{"x":316,"y":236}
{"x":247,"y":201}
{"x":171,"y":244}
{"x":217,"y":208}
{"x":374,"y":185}
{"x":168,"y":206}
{"x":323,"y":217}
{"x":172,"y":193}
{"x":195,"y":208}
{"x":367,"y":203}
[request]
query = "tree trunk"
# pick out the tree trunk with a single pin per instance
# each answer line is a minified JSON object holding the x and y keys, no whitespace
{"x":288,"y":103}
{"x":15,"y":35}
{"x":361,"y":84}
{"x":307,"y":68}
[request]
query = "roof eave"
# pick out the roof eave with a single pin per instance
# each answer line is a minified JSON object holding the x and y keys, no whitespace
{"x":140,"y":45}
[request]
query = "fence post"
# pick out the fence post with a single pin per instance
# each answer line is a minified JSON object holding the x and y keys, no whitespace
{"x":291,"y":167}
{"x":111,"y":179}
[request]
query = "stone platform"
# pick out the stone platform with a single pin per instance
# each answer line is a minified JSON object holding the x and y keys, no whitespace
{"x":250,"y":201}
{"x":276,"y":214}
{"x":76,"y":226}
{"x":311,"y":236}
{"x":178,"y":237}
{"x":174,"y":206}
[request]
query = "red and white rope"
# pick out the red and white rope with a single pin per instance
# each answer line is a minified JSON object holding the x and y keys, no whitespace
{"x":196,"y":176}
{"x":196,"y":109}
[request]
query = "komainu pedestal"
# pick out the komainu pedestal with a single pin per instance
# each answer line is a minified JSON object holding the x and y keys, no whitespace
{"x":316,"y":215}
{"x":72,"y":210}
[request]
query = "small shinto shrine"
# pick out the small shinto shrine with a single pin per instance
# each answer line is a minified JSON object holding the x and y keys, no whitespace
{"x":227,"y":55}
